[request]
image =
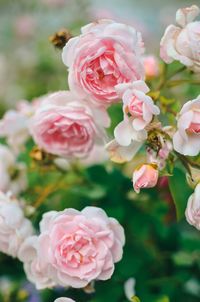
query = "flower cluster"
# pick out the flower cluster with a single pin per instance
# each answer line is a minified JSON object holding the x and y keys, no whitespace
{"x":106,"y":67}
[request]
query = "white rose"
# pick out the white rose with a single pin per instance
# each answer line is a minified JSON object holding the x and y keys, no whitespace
{"x":12,"y":174}
{"x":14,"y":227}
{"x":14,"y":127}
{"x":182,"y":42}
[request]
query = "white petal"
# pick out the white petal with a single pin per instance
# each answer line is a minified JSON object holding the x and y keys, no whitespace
{"x":129,"y":288}
{"x":186,"y":15}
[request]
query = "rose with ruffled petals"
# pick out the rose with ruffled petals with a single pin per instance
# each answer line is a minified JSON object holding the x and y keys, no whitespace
{"x":187,"y":138}
{"x":79,"y":247}
{"x":182,"y":43}
{"x":104,"y":55}
{"x":14,"y":227}
{"x":35,"y":271}
{"x":145,"y":176}
{"x":192,"y":212}
{"x":139,"y":110}
{"x":65,"y":126}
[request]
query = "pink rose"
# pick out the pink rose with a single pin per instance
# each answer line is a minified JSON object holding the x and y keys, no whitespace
{"x":67,"y":127}
{"x":33,"y":266}
{"x":78,"y":247}
{"x":145,"y":177}
{"x":192,"y":212}
{"x":187,"y":138}
{"x":104,"y":55}
{"x":151,"y":66}
{"x":14,"y":227}
{"x":181,"y":42}
{"x":139,"y":110}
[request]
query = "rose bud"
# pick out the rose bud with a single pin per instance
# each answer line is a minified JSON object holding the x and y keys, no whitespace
{"x":146,"y":176}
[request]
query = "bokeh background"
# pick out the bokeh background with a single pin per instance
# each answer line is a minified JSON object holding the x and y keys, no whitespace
{"x":30,"y":66}
{"x":162,"y":255}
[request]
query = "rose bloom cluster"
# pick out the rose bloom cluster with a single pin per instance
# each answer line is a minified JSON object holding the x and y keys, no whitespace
{"x":106,"y":65}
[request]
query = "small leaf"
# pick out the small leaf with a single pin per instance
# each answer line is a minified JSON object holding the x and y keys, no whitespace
{"x":163,"y":299}
{"x":184,"y":259}
{"x":165,"y":101}
{"x":135,"y":299}
{"x":180,"y":192}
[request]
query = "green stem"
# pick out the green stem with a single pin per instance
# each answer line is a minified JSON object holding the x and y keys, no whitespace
{"x":184,"y":161}
{"x":180,"y":82}
{"x":182,"y":68}
{"x":187,"y":162}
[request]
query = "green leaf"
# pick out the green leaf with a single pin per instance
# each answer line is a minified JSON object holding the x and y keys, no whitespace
{"x":180,"y":192}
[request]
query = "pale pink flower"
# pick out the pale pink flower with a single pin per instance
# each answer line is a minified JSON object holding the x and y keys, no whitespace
{"x":65,"y":126}
{"x":35,"y":271}
{"x":151,"y":66}
{"x":98,"y":155}
{"x":104,"y":55}
{"x":187,"y":138}
{"x":146,"y":176}
{"x":182,"y":42}
{"x":12,"y":173}
{"x":192,"y":212}
{"x":139,"y":110}
{"x":14,"y":227}
{"x":121,"y":154}
{"x":14,"y":127}
{"x":78,"y":247}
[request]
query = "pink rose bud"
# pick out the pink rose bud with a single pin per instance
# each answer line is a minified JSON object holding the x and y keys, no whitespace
{"x":146,"y":176}
{"x":151,"y":66}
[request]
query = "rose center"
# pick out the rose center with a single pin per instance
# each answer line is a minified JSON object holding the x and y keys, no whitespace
{"x":135,"y":108}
